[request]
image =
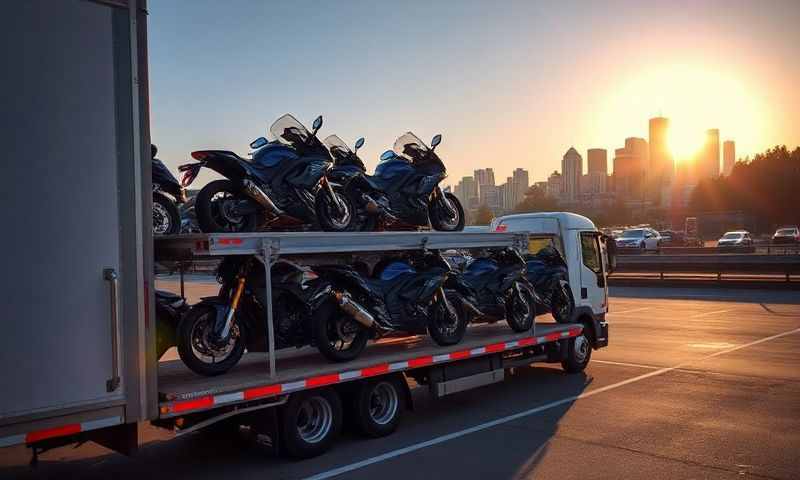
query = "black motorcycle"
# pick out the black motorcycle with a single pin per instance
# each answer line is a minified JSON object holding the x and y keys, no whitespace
{"x":346,"y":165}
{"x":404,"y":295}
{"x":166,"y":216}
{"x":274,"y":190}
{"x":547,"y":272}
{"x":404,"y":193}
{"x":501,"y":289}
{"x":170,"y":309}
{"x":214,"y":334}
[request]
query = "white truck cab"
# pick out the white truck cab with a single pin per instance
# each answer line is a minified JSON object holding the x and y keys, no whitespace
{"x":583,"y":247}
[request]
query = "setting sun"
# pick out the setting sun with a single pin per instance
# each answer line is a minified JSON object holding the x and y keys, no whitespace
{"x":695,"y":99}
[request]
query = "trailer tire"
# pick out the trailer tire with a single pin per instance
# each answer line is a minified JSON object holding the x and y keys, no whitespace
{"x":579,"y":352}
{"x":310,"y":422}
{"x":379,"y":406}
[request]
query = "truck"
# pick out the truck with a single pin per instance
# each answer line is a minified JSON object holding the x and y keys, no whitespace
{"x":79,"y":349}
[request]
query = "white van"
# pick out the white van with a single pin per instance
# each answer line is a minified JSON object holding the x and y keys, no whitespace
{"x":583,"y":247}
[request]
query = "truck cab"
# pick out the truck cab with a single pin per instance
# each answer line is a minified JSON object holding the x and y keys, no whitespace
{"x":585,"y":251}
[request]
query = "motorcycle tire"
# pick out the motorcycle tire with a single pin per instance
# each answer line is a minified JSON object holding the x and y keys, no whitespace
{"x":440,"y":220}
{"x":325,"y":211}
{"x":520,"y":323}
{"x":562,"y":305}
{"x":438,"y":327}
{"x":202,"y":317}
{"x":325,"y":333}
{"x":209,"y":217}
{"x":166,"y":216}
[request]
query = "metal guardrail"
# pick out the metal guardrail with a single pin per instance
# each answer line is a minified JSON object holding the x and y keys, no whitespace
{"x":718,"y":264}
{"x":757,"y":249}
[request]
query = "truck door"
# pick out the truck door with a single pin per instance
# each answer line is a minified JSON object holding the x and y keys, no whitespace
{"x":593,"y":292}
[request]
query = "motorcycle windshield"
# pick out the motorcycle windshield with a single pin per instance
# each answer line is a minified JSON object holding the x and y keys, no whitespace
{"x":289,"y":131}
{"x":339,"y":150}
{"x":410,"y":146}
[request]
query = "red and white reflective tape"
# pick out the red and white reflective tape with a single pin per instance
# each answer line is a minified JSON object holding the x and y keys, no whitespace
{"x":61,"y":431}
{"x":177,"y":407}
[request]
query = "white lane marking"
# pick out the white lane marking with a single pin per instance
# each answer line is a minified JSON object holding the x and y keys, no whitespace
{"x":613,"y":313}
{"x":625,"y":364}
{"x":715,"y":312}
{"x":510,"y":418}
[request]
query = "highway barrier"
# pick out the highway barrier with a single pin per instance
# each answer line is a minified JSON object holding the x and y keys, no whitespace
{"x":719,"y":264}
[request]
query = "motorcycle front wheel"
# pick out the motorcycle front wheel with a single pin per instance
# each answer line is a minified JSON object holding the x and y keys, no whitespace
{"x":166,"y":217}
{"x":216,"y":206}
{"x":562,"y":304}
{"x":449,"y":217}
{"x":331,"y":218}
{"x":520,"y":308}
{"x":197,"y":348}
{"x":447,"y":322}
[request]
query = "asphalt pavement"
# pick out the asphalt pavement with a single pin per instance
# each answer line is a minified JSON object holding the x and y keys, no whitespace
{"x":694,"y":384}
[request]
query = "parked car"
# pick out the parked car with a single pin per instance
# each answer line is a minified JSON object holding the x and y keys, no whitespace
{"x":738,"y":238}
{"x":672,"y":238}
{"x":645,"y":239}
{"x":787,"y":235}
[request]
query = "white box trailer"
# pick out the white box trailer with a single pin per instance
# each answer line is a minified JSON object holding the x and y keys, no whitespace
{"x":78,"y":354}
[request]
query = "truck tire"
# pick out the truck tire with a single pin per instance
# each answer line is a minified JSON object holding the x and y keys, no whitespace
{"x":379,"y":406}
{"x":310,"y":422}
{"x":579,"y":352}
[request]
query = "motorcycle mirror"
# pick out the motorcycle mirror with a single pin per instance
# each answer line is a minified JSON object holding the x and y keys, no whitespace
{"x":317,"y":123}
{"x":436,"y":140}
{"x":388,"y":155}
{"x":359,"y":144}
{"x":258,"y":143}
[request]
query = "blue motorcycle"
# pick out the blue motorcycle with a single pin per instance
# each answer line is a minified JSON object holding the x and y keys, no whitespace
{"x":547,"y":272}
{"x":273,"y":190}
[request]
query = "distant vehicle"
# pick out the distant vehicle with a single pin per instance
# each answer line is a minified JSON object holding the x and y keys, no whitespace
{"x":738,"y":238}
{"x":787,"y":235}
{"x":672,"y":238}
{"x":645,"y":239}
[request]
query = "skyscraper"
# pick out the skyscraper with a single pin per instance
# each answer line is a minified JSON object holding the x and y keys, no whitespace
{"x":630,"y":165}
{"x":661,"y":167}
{"x":597,"y":177}
{"x":555,"y":185}
{"x":708,"y":160}
{"x":571,"y":171}
{"x":467,"y":192}
{"x":520,"y":183}
{"x":728,"y":156}
{"x":484,"y":176}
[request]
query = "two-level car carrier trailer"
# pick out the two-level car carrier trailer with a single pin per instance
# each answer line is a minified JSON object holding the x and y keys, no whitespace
{"x":78,"y":350}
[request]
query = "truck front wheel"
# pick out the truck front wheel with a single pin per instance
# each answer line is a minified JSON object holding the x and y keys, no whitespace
{"x":579,"y":352}
{"x":310,"y":422}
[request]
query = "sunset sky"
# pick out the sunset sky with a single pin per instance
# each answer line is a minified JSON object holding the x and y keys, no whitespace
{"x":508,"y":84}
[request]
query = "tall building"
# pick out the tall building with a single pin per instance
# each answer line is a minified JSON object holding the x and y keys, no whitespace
{"x":630,"y":167}
{"x":520,"y":182}
{"x":728,"y":156}
{"x":490,"y":196}
{"x":708,"y":160}
{"x":661,"y":164}
{"x":555,"y":186}
{"x":571,"y":170}
{"x":507,"y":194}
{"x":484,"y":176}
{"x":596,"y":179}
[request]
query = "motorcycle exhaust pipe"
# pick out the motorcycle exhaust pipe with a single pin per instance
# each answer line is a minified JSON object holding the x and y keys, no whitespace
{"x":262,"y":198}
{"x":350,"y":307}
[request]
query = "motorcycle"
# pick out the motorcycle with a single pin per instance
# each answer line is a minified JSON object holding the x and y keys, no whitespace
{"x":214,"y":334}
{"x":404,"y":193}
{"x":501,"y":289}
{"x":547,"y":272}
{"x":403,"y":296}
{"x":346,"y":165}
{"x":166,"y":216}
{"x":170,"y":308}
{"x":274,"y":190}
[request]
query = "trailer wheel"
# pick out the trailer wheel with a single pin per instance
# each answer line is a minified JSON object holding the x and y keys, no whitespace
{"x":310,"y":422}
{"x":579,"y":352}
{"x":379,"y":405}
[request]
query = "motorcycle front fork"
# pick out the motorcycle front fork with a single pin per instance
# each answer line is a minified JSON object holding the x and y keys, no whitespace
{"x":237,"y":296}
{"x":332,"y":195}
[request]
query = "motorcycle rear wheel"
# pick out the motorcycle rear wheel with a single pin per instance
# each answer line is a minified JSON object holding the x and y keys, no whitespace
{"x":562,"y":304}
{"x":520,"y":309}
{"x":214,"y":209}
{"x":448,"y":326}
{"x":338,"y":337}
{"x":166,"y":216}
